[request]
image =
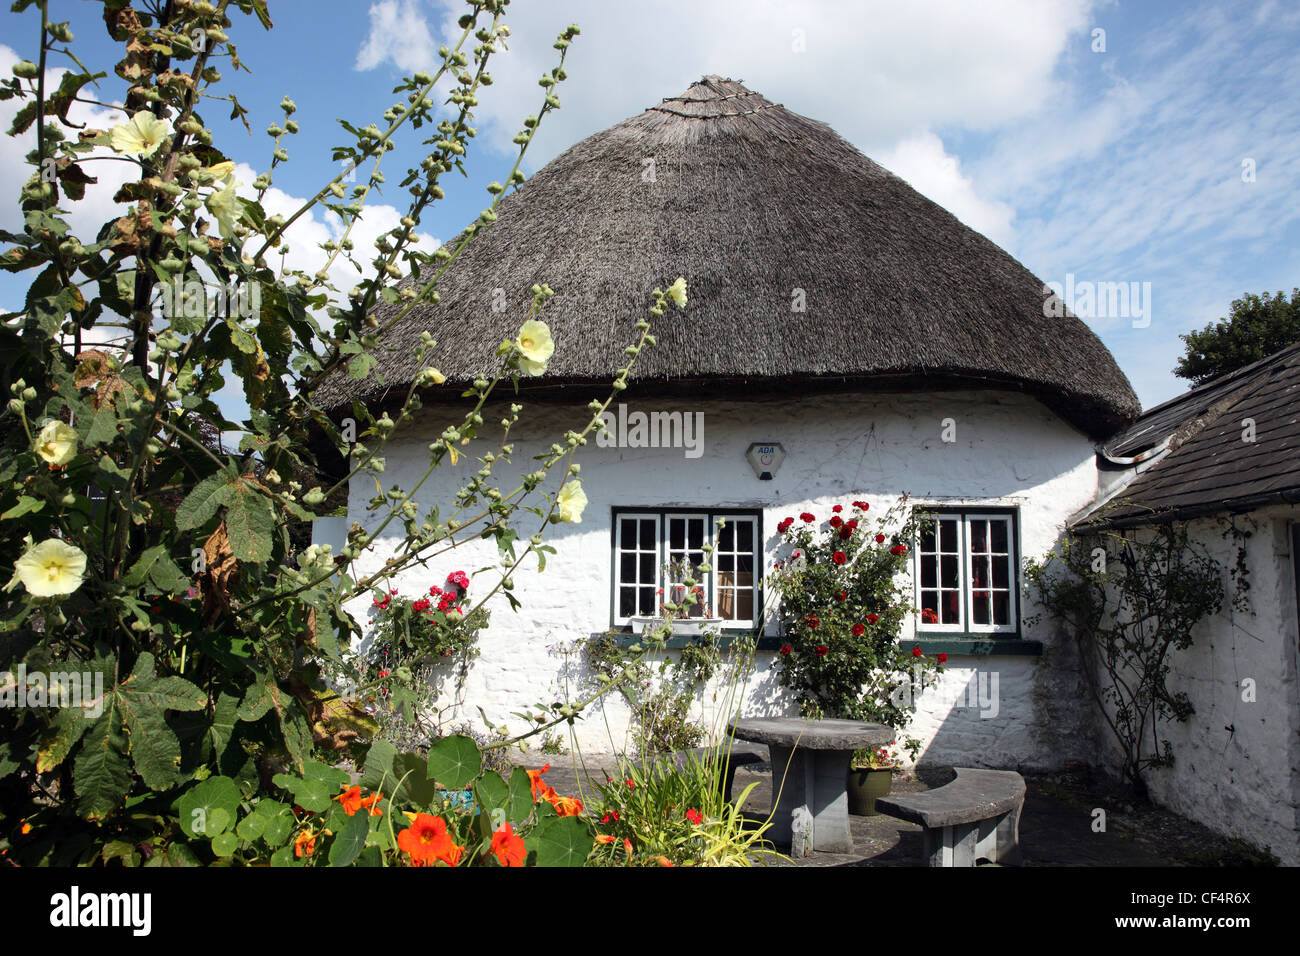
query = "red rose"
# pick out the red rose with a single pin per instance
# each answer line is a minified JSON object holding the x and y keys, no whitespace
{"x":836,"y":521}
{"x":858,"y":630}
{"x":839,"y":557}
{"x":812,"y":620}
{"x":435,"y":590}
{"x":843,"y":595}
{"x":852,"y":523}
{"x":873,"y":618}
{"x":916,"y":651}
{"x":838,"y":508}
{"x":784,"y":525}
{"x":807,"y":518}
{"x":821,"y":650}
{"x":459,"y":579}
{"x":898,"y":549}
{"x":943,"y":658}
{"x":786,"y":649}
{"x":880,"y":539}
{"x":846,"y":532}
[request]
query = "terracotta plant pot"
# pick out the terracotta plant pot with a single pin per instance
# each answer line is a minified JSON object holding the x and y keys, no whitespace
{"x":865,"y":785}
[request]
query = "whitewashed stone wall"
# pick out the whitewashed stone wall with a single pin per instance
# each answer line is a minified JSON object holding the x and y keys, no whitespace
{"x":1009,"y":450}
{"x":1237,"y":761}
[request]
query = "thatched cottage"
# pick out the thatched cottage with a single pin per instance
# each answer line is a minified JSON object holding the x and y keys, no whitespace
{"x":834,"y":311}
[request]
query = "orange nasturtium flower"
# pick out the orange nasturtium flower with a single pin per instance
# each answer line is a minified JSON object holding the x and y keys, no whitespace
{"x":664,"y":861}
{"x":538,"y":784}
{"x":605,"y":838}
{"x":508,"y":848}
{"x":426,"y":840}
{"x":565,"y":806}
{"x":305,"y":844}
{"x":353,"y":801}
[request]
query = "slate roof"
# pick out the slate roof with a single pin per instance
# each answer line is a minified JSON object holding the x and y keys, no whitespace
{"x":1210,"y":467}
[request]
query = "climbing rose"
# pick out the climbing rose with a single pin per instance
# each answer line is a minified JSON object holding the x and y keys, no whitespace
{"x":872,"y":618}
{"x":843,"y":595}
{"x":880,"y":539}
{"x":898,"y":549}
{"x":837,"y":509}
{"x":807,"y":518}
{"x":916,"y":651}
{"x":812,"y":620}
{"x":839,"y":557}
{"x":861,"y":505}
{"x":943,"y":658}
{"x":459,"y":579}
{"x":784,"y":525}
{"x":858,"y":630}
{"x":821,"y":650}
{"x":836,"y":521}
{"x":786,"y":649}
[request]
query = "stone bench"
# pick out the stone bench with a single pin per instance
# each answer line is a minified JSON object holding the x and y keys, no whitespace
{"x":977,"y":816}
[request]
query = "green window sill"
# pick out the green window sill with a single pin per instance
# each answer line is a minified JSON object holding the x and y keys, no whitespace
{"x":953,"y":646}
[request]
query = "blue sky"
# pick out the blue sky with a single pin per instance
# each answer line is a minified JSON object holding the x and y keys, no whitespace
{"x":1117,"y":165}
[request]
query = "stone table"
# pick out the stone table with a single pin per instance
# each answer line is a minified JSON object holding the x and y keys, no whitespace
{"x":810,"y":770}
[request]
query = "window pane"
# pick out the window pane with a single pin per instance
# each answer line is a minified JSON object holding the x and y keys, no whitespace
{"x":627,"y":530}
{"x":648,"y":535}
{"x":696,"y":529}
{"x":626,"y":602}
{"x":648,"y":604}
{"x":929,"y":569}
{"x":745,"y":562}
{"x":745,"y":579}
{"x":999,"y":534}
{"x":627,"y":568}
{"x":930,"y":601}
{"x":745,"y":532}
{"x":949,"y":570}
{"x":948,"y":535}
{"x":1001,"y":608}
{"x":744,"y":605}
{"x":950,"y":612}
{"x":727,"y":563}
{"x":979,"y":571}
{"x":980,"y":609}
{"x":1000,"y":573}
{"x":676,"y":533}
{"x":927,"y":540}
{"x":979,"y":536}
{"x":727,"y":537}
{"x":647,"y":569}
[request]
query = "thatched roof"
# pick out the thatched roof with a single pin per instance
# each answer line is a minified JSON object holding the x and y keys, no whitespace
{"x":751,"y":202}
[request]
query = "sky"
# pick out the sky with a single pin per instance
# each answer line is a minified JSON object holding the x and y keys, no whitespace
{"x":1146,"y":143}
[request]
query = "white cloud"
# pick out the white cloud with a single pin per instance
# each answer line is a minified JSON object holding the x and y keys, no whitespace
{"x":398,"y":34}
{"x":927,"y":167}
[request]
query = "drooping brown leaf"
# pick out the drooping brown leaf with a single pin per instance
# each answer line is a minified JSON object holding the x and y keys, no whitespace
{"x":220,"y":575}
{"x":95,"y":368}
{"x":335,"y":722}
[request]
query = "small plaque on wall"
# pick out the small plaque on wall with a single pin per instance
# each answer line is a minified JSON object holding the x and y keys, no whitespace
{"x":765,"y":458}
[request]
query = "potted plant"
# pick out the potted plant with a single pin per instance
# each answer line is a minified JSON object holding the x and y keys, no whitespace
{"x":871,"y":774}
{"x":843,"y":603}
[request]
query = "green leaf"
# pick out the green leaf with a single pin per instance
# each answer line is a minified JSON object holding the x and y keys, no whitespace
{"x":102,"y":428}
{"x":561,"y":841}
{"x":491,"y":792}
{"x":222,"y":728}
{"x":26,"y":505}
{"x":225,"y":844}
{"x":201,"y":504}
{"x":250,"y":521}
{"x":455,"y":761}
{"x":101,"y":774}
{"x":351,"y":840}
{"x":67,"y":727}
{"x":195,"y":806}
{"x":521,"y":801}
{"x":312,"y":795}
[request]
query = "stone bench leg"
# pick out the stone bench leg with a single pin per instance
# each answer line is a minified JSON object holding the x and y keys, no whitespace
{"x":996,"y":840}
{"x":816,"y":779}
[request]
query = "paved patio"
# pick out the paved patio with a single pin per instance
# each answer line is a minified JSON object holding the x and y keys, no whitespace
{"x":1056,"y":827}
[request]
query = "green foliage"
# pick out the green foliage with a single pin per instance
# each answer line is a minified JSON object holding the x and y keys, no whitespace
{"x":160,"y":545}
{"x":1256,"y":327}
{"x":1131,"y":601}
{"x":843,"y":610}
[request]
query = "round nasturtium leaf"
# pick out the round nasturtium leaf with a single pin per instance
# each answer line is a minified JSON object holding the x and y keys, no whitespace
{"x":455,"y":761}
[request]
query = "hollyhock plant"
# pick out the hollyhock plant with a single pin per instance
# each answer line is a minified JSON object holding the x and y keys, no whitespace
{"x":847,"y":588}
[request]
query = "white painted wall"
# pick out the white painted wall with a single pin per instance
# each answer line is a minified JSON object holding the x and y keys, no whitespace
{"x":1237,"y":763}
{"x":1010,"y":450}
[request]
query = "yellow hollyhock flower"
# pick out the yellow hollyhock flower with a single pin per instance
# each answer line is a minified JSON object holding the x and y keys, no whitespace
{"x":535,"y":346}
{"x":56,"y":443}
{"x":677,"y":292}
{"x":141,"y":136}
{"x":51,"y":569}
{"x":226,"y":207}
{"x":572,"y":501}
{"x":218,"y":171}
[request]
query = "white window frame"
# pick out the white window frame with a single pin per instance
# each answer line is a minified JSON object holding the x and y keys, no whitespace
{"x":965,"y":565}
{"x":661,"y":519}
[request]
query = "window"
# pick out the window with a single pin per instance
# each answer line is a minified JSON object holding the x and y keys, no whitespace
{"x":653,"y":549}
{"x":966,"y":574}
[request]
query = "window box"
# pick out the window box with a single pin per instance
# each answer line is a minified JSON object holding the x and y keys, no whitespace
{"x":681,"y":625}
